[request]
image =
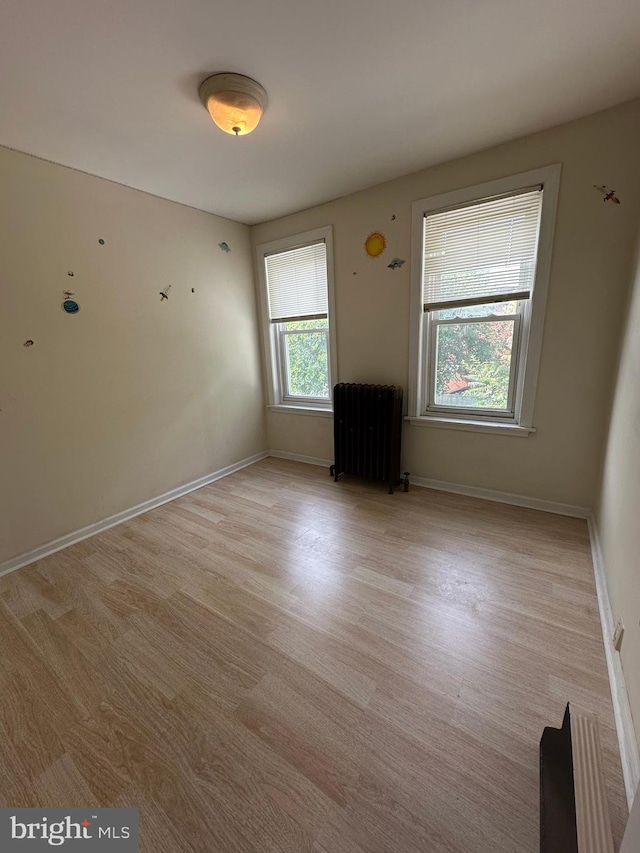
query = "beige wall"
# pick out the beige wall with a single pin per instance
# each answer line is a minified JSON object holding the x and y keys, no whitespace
{"x":131,"y":397}
{"x":588,"y":285}
{"x":619,"y":501}
{"x":631,"y":840}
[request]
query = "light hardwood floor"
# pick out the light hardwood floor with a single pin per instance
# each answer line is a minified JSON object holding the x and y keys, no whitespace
{"x":280,"y":663}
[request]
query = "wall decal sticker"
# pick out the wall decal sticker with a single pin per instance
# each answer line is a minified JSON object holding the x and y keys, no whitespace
{"x":393,"y":217}
{"x":396,"y":263}
{"x":375,"y":244}
{"x":224,"y":247}
{"x":101,"y":241}
{"x":70,"y":306}
{"x":68,"y":294}
{"x":609,"y":194}
{"x":70,"y":273}
{"x":28,"y":343}
{"x":164,"y":294}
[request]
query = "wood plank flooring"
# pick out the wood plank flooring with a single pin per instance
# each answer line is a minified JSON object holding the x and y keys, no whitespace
{"x":282,"y":664}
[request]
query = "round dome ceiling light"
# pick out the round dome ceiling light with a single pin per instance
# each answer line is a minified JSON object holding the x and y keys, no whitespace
{"x":234,"y":102}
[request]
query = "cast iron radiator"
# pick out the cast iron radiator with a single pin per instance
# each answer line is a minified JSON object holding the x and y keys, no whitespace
{"x":367,"y":432}
{"x":574,"y":812}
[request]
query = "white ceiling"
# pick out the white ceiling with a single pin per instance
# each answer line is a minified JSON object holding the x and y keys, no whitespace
{"x":360,"y":91}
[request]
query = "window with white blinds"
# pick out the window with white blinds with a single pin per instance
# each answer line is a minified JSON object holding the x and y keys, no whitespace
{"x":295,"y":276}
{"x":297,"y":283}
{"x":480,"y":276}
{"x":483,"y":252}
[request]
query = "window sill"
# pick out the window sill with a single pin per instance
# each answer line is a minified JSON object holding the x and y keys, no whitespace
{"x":302,"y":410}
{"x":472,"y":426}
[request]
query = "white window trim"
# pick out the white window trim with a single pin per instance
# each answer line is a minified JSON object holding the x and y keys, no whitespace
{"x":302,"y":410}
{"x":471,"y":414}
{"x":528,"y":368}
{"x":276,"y":400}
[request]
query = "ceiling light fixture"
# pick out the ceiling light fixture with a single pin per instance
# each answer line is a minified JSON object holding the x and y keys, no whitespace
{"x":235,"y":102}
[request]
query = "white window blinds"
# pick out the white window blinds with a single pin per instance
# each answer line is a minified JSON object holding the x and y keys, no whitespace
{"x":482,"y":252}
{"x":297,"y":283}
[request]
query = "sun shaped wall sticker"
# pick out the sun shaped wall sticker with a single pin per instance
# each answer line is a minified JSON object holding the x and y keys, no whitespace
{"x":375,"y":244}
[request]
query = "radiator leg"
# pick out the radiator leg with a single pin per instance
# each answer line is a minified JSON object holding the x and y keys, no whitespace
{"x":405,"y":482}
{"x":332,"y":470}
{"x":390,"y":488}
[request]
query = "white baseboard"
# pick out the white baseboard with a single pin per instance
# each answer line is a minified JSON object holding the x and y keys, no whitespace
{"x":629,"y":754}
{"x":297,"y":457}
{"x":502,"y":497}
{"x":457,"y":489}
{"x":125,"y":515}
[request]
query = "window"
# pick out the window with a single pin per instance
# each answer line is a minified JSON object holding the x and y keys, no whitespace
{"x":480,"y":270}
{"x":297,"y":307}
